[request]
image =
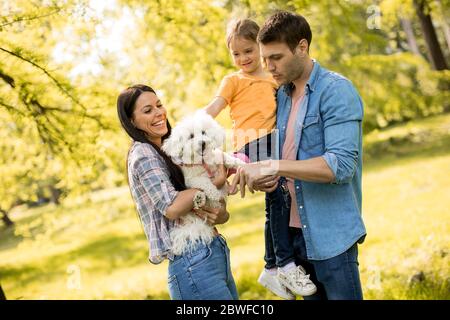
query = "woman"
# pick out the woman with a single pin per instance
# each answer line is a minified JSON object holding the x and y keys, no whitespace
{"x":158,"y":189}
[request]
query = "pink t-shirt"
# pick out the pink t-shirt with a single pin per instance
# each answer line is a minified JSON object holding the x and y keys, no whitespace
{"x":290,"y":153}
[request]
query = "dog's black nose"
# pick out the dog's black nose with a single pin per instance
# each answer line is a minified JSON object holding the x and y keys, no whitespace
{"x":203,"y":146}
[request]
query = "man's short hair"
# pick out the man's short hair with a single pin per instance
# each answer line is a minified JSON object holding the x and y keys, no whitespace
{"x":285,"y":27}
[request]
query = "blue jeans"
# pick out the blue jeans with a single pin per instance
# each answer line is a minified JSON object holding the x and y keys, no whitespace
{"x":203,"y":274}
{"x":279,"y":248}
{"x":336,"y":278}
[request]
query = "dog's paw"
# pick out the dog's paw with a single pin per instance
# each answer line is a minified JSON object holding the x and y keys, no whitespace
{"x":199,"y":200}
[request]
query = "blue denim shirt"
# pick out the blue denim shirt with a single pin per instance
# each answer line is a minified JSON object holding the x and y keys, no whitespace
{"x":328,"y":125}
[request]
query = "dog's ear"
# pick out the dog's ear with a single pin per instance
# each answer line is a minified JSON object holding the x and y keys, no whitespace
{"x":215,"y":130}
{"x":219,"y":136}
{"x":200,"y":113}
{"x":173,"y":148}
{"x":217,"y":133}
{"x":169,"y":145}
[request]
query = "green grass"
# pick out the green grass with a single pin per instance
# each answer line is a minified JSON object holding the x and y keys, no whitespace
{"x":93,"y":247}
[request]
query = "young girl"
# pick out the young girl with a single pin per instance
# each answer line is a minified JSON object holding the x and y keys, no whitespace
{"x":250,"y":93}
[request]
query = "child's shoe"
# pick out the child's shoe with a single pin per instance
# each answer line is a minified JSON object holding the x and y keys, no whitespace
{"x":297,"y":281}
{"x":272,"y":283}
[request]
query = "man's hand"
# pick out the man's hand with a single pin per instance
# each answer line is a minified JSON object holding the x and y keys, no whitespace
{"x":257,"y":176}
{"x":266,"y":184}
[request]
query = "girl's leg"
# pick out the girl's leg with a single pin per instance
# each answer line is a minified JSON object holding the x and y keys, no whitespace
{"x":257,"y":151}
{"x":301,"y":259}
{"x":268,"y":277}
{"x":269,"y":255}
{"x":279,"y":225}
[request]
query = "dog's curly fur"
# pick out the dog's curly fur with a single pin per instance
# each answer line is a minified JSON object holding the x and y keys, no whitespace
{"x":195,"y":141}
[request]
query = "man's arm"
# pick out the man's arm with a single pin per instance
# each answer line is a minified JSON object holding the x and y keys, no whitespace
{"x":342,"y":114}
{"x":262,"y":176}
{"x":313,"y":170}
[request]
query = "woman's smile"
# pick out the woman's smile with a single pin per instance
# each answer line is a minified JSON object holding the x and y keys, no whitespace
{"x":159,"y":123}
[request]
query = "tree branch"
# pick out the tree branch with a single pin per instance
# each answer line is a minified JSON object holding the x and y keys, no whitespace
{"x":58,"y":84}
{"x":34,"y":64}
{"x":19,"y":19}
{"x":11,"y":108}
{"x":9,"y":80}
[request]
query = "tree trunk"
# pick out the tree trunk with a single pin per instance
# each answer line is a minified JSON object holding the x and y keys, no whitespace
{"x":55,"y":195}
{"x":8,"y":222}
{"x":446,"y":28}
{"x":429,"y":32}
{"x":2,"y":294}
{"x":407,"y":27}
{"x":445,"y":25}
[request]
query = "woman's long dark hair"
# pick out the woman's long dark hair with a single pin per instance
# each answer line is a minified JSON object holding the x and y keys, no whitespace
{"x":126,"y":104}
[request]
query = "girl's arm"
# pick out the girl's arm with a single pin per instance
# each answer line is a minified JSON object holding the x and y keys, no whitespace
{"x":215,"y":106}
{"x":182,"y":205}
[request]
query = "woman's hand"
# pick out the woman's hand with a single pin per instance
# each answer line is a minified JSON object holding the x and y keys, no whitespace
{"x":214,"y":216}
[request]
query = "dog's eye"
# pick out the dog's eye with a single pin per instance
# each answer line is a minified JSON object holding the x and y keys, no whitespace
{"x":203,"y":132}
{"x":191,"y":136}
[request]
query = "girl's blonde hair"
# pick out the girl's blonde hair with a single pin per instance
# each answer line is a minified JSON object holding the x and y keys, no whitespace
{"x":245,"y":28}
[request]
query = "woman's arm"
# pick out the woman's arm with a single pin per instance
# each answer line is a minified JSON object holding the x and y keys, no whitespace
{"x":182,"y":205}
{"x":157,"y":185}
{"x":215,"y":106}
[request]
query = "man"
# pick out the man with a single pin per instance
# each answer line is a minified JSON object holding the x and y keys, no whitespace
{"x":319,"y":116}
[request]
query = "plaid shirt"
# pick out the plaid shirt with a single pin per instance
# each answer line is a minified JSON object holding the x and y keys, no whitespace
{"x":152,"y":192}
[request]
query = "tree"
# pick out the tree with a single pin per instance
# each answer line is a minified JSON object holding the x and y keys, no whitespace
{"x":409,"y":31}
{"x":2,"y":294}
{"x":59,"y":131}
{"x":6,"y":220}
{"x":423,"y":12}
{"x":444,"y":11}
{"x":50,"y":124}
{"x":32,"y":86}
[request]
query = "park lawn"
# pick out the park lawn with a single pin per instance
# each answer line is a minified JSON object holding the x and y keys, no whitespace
{"x":93,"y":247}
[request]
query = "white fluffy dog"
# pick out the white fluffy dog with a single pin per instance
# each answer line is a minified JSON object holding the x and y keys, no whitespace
{"x":195,"y":144}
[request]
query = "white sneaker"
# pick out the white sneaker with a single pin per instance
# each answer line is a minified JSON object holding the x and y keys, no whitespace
{"x":297,"y":281}
{"x":273,"y":284}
